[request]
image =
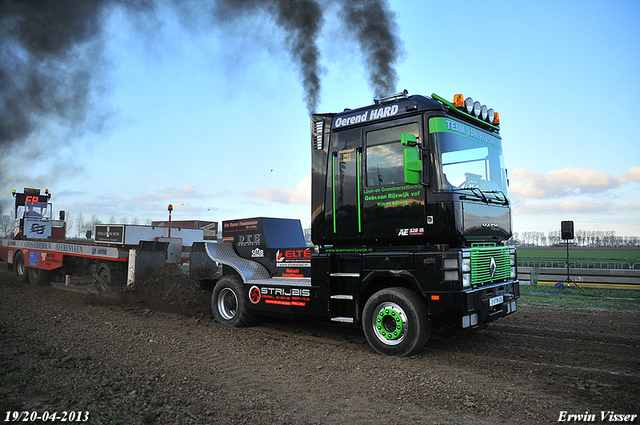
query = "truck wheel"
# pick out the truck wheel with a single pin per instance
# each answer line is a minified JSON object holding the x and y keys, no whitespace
{"x":19,"y":270}
{"x":229,"y":302}
{"x":395,"y":322}
{"x":39,"y":276}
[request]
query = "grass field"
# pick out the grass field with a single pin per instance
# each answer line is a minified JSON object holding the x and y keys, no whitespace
{"x":545,"y":296}
{"x":628,"y":255}
{"x":572,"y":298}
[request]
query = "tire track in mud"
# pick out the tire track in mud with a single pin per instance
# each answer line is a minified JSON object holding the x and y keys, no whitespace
{"x":309,"y":372}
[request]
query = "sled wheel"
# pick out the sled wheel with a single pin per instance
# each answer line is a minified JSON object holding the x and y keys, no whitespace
{"x":104,"y":272}
{"x":229,"y":303}
{"x":39,"y":276}
{"x":395,"y":322}
{"x":19,"y":270}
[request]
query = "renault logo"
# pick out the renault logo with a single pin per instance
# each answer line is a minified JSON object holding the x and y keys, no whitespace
{"x":493,"y":266}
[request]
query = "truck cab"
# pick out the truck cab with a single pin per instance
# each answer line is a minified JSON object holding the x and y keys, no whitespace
{"x":410,"y":171}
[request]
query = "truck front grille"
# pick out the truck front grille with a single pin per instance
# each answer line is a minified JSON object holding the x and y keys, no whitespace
{"x":490,"y":264}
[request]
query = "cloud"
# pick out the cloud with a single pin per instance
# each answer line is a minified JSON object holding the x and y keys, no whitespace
{"x":632,"y":175}
{"x":299,"y":195}
{"x":565,"y":206}
{"x":172,"y":194}
{"x":569,"y":181}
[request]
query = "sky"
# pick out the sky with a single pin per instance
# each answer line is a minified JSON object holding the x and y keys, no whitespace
{"x":174,"y":104}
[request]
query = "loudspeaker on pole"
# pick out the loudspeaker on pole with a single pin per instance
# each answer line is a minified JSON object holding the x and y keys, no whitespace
{"x":566,"y":231}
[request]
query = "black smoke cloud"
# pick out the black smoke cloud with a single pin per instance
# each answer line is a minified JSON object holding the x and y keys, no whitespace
{"x":52,"y":64}
{"x":301,"y":20}
{"x":373,"y":24}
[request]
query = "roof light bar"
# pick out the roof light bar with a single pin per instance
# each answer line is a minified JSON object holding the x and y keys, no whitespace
{"x":476,"y":109}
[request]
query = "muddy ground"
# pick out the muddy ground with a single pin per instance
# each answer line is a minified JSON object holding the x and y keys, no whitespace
{"x":142,"y":360}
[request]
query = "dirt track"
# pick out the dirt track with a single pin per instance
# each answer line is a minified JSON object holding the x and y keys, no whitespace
{"x":129,"y":363}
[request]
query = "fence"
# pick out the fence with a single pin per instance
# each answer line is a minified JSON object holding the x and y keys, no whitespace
{"x":582,"y":264}
{"x":613,"y":278}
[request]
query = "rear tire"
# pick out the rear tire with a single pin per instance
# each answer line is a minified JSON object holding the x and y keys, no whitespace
{"x":395,"y":322}
{"x":19,"y":269}
{"x":39,"y":276}
{"x":230,"y":302}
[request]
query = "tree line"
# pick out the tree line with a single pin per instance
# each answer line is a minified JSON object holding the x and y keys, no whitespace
{"x":581,"y":238}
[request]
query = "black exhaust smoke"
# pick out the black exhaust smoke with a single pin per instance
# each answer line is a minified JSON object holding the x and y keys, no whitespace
{"x":373,"y":24}
{"x":51,"y":60}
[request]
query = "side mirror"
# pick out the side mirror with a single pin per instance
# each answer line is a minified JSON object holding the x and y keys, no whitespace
{"x":62,"y":215}
{"x":408,"y":140}
{"x":412,"y":166}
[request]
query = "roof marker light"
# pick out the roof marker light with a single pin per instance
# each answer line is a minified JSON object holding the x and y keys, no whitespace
{"x":458,"y":101}
{"x":496,"y":119}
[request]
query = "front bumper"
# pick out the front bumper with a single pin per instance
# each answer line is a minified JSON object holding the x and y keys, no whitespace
{"x":487,"y":303}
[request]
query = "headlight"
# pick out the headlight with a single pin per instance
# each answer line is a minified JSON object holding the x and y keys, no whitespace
{"x":466,"y":265}
{"x":466,"y":280}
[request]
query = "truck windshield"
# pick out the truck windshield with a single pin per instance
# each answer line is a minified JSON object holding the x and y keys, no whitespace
{"x":468,"y":159}
{"x":35,"y":210}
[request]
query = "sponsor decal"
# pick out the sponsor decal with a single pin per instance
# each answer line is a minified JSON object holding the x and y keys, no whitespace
{"x":98,"y":251}
{"x":34,"y":258}
{"x":293,"y":258}
{"x":248,"y":240}
{"x":251,"y":224}
{"x":257,"y":253}
{"x":280,"y":296}
{"x":254,"y":294}
{"x":370,"y":115}
{"x":393,"y":196}
{"x":414,"y":231}
{"x":65,"y":248}
{"x":445,"y":125}
{"x":38,"y":228}
{"x":292,"y":273}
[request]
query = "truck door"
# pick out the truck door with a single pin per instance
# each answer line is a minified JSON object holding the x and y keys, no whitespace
{"x":391,"y":208}
{"x":344,"y":176}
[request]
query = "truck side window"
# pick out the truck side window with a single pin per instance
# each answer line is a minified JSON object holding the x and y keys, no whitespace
{"x":384,"y":155}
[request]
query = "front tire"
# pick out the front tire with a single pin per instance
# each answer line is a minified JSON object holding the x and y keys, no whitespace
{"x":19,"y":269}
{"x":395,"y":322}
{"x":230,"y":302}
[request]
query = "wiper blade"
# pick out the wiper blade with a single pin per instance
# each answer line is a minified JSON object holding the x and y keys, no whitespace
{"x":504,"y":197}
{"x":473,"y":189}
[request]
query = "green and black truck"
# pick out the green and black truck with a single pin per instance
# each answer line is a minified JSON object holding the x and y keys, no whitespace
{"x":410,"y":213}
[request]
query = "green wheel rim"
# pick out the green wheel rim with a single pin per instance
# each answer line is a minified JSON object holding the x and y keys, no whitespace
{"x":390,"y":323}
